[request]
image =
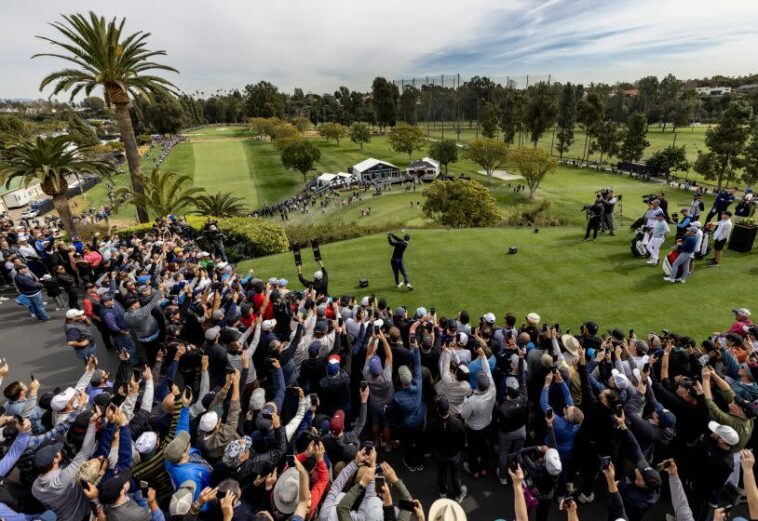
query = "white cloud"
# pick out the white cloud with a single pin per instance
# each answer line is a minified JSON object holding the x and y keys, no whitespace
{"x":321,"y":45}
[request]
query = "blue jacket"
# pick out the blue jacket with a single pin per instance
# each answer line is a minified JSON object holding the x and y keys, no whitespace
{"x":409,"y":407}
{"x":196,"y":469}
{"x":476,"y":365}
{"x":723,"y":200}
{"x":688,"y":244}
{"x":564,"y":430}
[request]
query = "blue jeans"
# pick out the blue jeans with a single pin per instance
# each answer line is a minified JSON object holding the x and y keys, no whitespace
{"x":397,"y":268}
{"x":85,"y":352}
{"x":682,"y":260}
{"x":38,"y":307}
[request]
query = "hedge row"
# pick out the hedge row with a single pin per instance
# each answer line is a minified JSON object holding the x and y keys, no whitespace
{"x":336,"y":231}
{"x":246,"y":237}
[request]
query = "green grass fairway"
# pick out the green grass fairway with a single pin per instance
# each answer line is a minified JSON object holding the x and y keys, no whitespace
{"x":554,"y":274}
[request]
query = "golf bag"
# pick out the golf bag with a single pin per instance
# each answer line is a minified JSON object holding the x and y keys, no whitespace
{"x":637,"y":246}
{"x":705,"y":247}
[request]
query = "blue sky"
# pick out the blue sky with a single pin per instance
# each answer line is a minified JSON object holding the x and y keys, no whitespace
{"x":321,"y":45}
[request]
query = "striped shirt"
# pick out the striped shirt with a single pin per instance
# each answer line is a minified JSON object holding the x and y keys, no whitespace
{"x":152,"y":469}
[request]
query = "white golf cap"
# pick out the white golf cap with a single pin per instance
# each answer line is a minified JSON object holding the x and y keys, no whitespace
{"x":268,"y":325}
{"x":489,"y":318}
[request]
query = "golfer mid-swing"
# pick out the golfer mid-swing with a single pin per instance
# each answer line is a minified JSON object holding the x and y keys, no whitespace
{"x":397,"y":258}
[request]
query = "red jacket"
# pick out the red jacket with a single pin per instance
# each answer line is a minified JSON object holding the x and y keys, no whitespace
{"x":319,"y":481}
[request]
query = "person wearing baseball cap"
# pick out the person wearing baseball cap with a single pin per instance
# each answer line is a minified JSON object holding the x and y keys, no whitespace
{"x":741,"y":321}
{"x":342,"y":445}
{"x":410,"y":408}
{"x":378,"y":376}
{"x":740,"y":413}
{"x":686,"y":248}
{"x":244,"y":465}
{"x":477,"y":415}
{"x":720,"y":236}
{"x":334,"y":392}
{"x":79,"y":335}
{"x":447,"y":439}
{"x":320,"y":281}
{"x":58,"y":488}
{"x":214,"y":434}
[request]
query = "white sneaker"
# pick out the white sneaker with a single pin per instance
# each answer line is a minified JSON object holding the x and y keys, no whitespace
{"x":409,"y":286}
{"x":668,"y":279}
{"x":460,"y":497}
{"x":3,"y":299}
{"x":400,"y":285}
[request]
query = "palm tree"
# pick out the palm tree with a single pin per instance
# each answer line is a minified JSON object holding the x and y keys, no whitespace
{"x":222,"y":204}
{"x":49,"y":161}
{"x":164,"y":193}
{"x":104,"y":56}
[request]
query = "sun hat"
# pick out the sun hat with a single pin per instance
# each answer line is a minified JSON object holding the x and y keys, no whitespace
{"x":533,"y":318}
{"x":181,"y":500}
{"x":727,"y":434}
{"x":287,"y":491}
{"x":571,"y":344}
{"x":446,"y":510}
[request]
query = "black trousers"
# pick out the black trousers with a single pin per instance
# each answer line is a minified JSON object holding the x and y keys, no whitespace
{"x":447,"y":464}
{"x":478,"y":447}
{"x":413,"y":450}
{"x":398,"y":268}
{"x":592,"y":226}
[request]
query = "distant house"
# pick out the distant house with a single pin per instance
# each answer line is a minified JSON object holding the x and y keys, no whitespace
{"x":426,"y":169}
{"x":713,"y":91}
{"x":374,"y":171}
{"x":22,"y":196}
{"x":339,"y":180}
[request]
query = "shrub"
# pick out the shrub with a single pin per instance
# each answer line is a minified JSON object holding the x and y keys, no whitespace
{"x":336,"y":231}
{"x":461,"y":204}
{"x":246,"y":237}
{"x":536,"y":214}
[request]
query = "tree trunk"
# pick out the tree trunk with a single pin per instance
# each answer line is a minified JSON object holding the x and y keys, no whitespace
{"x":532,"y":191}
{"x":586,"y":140}
{"x":60,"y":203}
{"x":132,"y":156}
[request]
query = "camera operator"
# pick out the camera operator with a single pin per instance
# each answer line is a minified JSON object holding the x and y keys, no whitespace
{"x":609,"y":202}
{"x":595,"y":216}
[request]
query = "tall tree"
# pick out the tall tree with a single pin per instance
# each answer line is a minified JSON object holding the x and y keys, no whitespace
{"x":384,"y":98}
{"x":726,"y":143}
{"x":445,"y":151}
{"x":669,"y":98}
{"x":284,"y":134}
{"x":566,"y":119}
{"x":104,"y":56}
{"x":488,"y":153}
{"x":489,"y":118}
{"x":49,"y":161}
{"x":540,"y":111}
{"x":406,"y":139}
{"x":264,"y":100}
{"x":750,"y":159}
{"x":634,"y":142}
{"x":607,"y":139}
{"x":165,"y":117}
{"x":301,"y":123}
{"x":360,"y":133}
{"x":300,"y":156}
{"x":646,"y":100}
{"x":533,"y":164}
{"x":589,"y":115}
{"x":511,"y":111}
{"x":408,"y":103}
{"x":80,"y":132}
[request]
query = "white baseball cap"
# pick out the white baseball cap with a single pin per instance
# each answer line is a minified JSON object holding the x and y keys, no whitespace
{"x":462,"y":339}
{"x":725,"y":432}
{"x":208,"y":421}
{"x":268,"y":325}
{"x":73,"y":313}
{"x":146,"y":442}
{"x":489,"y":318}
{"x":60,"y":400}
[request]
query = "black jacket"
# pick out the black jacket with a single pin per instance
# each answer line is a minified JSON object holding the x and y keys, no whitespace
{"x":447,"y":436}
